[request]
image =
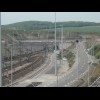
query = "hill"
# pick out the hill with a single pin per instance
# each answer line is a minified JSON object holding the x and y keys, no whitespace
{"x":38,"y":25}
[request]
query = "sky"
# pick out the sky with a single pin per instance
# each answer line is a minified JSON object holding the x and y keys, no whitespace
{"x":13,"y":17}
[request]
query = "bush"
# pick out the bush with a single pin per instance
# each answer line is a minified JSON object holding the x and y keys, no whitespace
{"x":93,"y":79}
{"x":96,"y":51}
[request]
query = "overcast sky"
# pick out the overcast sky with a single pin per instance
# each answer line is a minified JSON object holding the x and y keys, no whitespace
{"x":13,"y":17}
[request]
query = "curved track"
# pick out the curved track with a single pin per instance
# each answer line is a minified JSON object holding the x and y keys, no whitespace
{"x":24,"y":71}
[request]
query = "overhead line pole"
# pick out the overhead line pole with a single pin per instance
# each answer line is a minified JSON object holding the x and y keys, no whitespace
{"x":0,"y":55}
{"x":77,"y":42}
{"x":56,"y":70}
{"x":55,"y":48}
{"x":62,"y":44}
{"x":11,"y":48}
{"x":78,"y":65}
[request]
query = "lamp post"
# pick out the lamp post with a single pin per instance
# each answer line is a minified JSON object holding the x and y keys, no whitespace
{"x":11,"y":67}
{"x":13,"y":44}
{"x":89,"y":62}
{"x":78,"y":60}
{"x":11,"y":47}
{"x":56,"y":70}
{"x":62,"y":43}
{"x":88,"y":75}
{"x":55,"y":48}
{"x":0,"y":55}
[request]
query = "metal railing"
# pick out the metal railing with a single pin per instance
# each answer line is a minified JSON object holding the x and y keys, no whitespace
{"x":94,"y":82}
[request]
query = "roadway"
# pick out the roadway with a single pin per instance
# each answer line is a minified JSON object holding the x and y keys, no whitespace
{"x":82,"y":65}
{"x":48,"y":68}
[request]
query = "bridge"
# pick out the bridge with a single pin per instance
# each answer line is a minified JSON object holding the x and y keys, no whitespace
{"x":58,"y":40}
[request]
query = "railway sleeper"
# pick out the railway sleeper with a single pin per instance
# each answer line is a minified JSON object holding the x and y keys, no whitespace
{"x":23,"y":72}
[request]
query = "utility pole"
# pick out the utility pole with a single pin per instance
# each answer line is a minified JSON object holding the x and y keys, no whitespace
{"x":93,"y":48}
{"x":62,"y":44}
{"x":11,"y":67}
{"x":56,"y":70}
{"x":0,"y":55}
{"x":45,"y":47}
{"x":38,"y":36}
{"x":77,"y":64}
{"x":55,"y":48}
{"x":89,"y":64}
{"x":31,"y":48}
{"x":77,"y":61}
{"x":69,"y":34}
{"x":13,"y":44}
{"x":88,"y":74}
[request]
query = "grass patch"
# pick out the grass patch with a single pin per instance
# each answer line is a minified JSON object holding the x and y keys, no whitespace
{"x":97,"y":72}
{"x":92,"y":29}
{"x":72,"y":46}
{"x":95,"y":75}
{"x":96,"y":50}
{"x":70,"y":55}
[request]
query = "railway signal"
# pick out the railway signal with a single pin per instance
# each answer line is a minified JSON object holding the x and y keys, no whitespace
{"x":77,"y":41}
{"x":57,"y":47}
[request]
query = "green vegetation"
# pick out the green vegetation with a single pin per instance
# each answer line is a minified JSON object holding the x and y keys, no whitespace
{"x":67,"y":53}
{"x":71,"y":47}
{"x":70,"y":55}
{"x":95,"y":75}
{"x":88,"y":29}
{"x":97,"y":72}
{"x":28,"y":25}
{"x":24,"y":30}
{"x":96,"y":51}
{"x":88,"y":45}
{"x":72,"y":26}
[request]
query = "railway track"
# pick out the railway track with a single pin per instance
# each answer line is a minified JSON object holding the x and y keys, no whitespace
{"x":22,"y":62}
{"x":24,"y":71}
{"x":6,"y":59}
{"x":22,"y":65}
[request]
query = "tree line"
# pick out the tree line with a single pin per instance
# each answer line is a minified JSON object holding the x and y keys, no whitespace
{"x":39,"y":25}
